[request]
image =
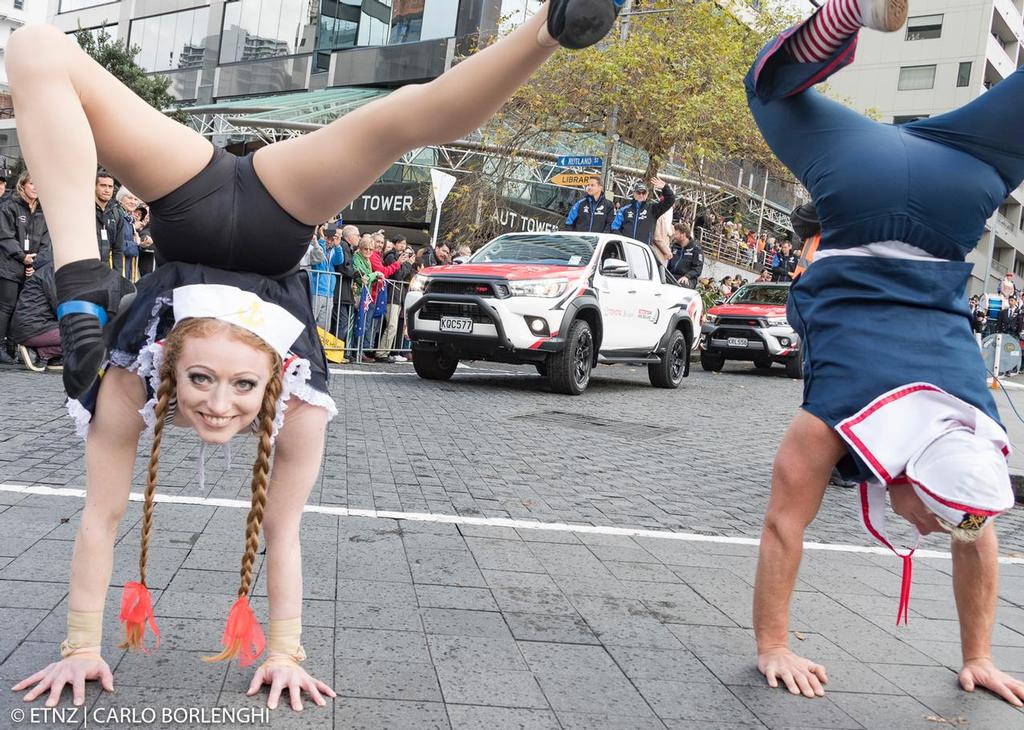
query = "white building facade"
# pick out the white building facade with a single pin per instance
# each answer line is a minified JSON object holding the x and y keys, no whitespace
{"x":950,"y":52}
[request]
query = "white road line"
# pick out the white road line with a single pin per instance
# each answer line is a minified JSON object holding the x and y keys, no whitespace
{"x":487,"y":522}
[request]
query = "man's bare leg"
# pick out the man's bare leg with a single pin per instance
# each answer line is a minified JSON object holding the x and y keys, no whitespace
{"x":800,"y":475}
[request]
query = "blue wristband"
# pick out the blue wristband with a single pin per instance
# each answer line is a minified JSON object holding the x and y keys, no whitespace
{"x":76,"y":306}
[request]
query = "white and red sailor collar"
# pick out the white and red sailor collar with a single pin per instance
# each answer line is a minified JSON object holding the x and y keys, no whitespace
{"x":902,"y":436}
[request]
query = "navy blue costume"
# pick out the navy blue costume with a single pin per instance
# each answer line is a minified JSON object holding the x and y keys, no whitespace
{"x":869,"y":324}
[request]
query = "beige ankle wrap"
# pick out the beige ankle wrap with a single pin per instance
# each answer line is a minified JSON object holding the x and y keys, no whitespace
{"x":85,"y":632}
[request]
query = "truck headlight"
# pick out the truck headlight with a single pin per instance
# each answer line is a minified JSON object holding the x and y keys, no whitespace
{"x":710,"y":318}
{"x":778,"y":322}
{"x":538,"y":287}
{"x":418,"y":283}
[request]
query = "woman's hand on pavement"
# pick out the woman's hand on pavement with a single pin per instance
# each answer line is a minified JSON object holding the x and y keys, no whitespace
{"x":75,"y":670}
{"x":285,"y":673}
{"x":801,"y":676}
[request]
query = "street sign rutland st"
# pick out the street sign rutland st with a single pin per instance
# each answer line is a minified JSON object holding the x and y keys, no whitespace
{"x":580,"y":161}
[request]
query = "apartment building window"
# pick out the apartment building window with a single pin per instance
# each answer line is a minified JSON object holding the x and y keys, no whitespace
{"x":97,"y":31}
{"x":924,"y":27}
{"x":255,"y":29}
{"x":67,"y":6}
{"x":374,"y":23}
{"x":339,"y":24}
{"x":421,"y":20}
{"x":916,"y":78}
{"x":963,"y":74}
{"x":19,"y":4}
{"x":170,"y":41}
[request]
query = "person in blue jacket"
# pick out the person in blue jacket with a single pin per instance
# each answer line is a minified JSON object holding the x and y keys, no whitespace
{"x":591,"y":213}
{"x":636,"y":219}
{"x":895,"y":390}
{"x":323,"y":279}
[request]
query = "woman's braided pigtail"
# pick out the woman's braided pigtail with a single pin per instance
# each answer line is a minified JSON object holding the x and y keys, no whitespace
{"x":243,"y":636}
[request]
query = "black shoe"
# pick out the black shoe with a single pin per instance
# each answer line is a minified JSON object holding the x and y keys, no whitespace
{"x":88,"y":294}
{"x":581,"y":23}
{"x":55,"y":364}
{"x":385,"y":359}
{"x":5,"y":357}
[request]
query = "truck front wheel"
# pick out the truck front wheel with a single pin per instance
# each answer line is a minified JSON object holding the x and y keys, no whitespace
{"x":569,"y":370}
{"x":433,"y":364}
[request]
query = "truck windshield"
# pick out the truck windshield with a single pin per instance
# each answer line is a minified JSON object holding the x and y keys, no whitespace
{"x":761,"y":295}
{"x":537,"y":248}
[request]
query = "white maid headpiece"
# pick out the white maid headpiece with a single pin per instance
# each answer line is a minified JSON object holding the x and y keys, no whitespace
{"x":270,"y":322}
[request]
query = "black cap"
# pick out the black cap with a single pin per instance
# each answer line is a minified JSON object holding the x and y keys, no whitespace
{"x":640,"y":188}
{"x":330,"y":230}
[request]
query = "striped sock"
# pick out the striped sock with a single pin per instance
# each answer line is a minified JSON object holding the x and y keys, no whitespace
{"x":827,"y":30}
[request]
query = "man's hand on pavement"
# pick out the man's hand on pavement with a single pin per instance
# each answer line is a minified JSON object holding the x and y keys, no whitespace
{"x":801,"y":676}
{"x":983,"y":673}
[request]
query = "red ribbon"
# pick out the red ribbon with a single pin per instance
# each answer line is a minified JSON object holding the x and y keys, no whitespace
{"x":137,"y":611}
{"x":908,"y":574}
{"x":244,"y":632}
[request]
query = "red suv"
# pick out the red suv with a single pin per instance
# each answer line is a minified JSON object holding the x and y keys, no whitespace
{"x":751,"y":326}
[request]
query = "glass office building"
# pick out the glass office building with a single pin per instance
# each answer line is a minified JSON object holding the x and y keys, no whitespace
{"x":222,"y":49}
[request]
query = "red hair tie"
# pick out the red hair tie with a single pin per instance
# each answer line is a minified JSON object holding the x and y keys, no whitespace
{"x":136,"y":612}
{"x":243,"y":635}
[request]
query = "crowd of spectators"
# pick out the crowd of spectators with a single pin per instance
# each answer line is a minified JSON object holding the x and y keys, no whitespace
{"x":28,"y":309}
{"x":359,"y":281}
{"x":1001,"y":311}
{"x":757,"y":251}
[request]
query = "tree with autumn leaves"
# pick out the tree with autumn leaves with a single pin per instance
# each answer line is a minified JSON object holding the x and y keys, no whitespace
{"x":676,"y":81}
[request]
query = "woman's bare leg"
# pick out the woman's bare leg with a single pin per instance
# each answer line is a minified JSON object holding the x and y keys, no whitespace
{"x":316,"y":175}
{"x":70,"y":110}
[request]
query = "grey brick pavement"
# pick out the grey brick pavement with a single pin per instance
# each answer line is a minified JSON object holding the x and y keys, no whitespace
{"x":421,"y":625}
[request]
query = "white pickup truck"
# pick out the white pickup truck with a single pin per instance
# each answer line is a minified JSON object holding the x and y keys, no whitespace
{"x":561,"y":301}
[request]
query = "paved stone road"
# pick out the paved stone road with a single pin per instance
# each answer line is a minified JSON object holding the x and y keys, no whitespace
{"x":421,"y":624}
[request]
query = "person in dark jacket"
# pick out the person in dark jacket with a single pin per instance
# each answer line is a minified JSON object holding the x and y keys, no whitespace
{"x":636,"y":219}
{"x":24,"y":244}
{"x":34,"y":324}
{"x":784,"y":263}
{"x":109,"y":223}
{"x":341,"y":313}
{"x":131,"y":241}
{"x":687,"y":261}
{"x":592,"y":213}
{"x":1010,"y":321}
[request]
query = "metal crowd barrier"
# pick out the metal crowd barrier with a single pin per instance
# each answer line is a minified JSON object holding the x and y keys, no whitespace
{"x":129,"y":268}
{"x":345,"y":324}
{"x":731,"y":251}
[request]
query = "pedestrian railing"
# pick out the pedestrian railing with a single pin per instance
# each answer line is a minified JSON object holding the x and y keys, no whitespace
{"x":731,"y":251}
{"x":366,"y":322}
